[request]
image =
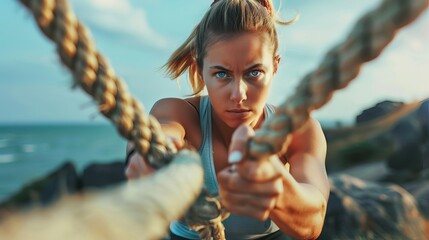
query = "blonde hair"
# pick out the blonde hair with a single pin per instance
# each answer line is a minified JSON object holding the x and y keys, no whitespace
{"x":223,"y":19}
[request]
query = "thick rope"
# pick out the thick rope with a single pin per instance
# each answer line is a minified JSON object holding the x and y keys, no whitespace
{"x":131,"y":211}
{"x":371,"y":34}
{"x":94,"y":75}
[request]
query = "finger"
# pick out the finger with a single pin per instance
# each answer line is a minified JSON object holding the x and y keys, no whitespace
{"x":233,"y":182}
{"x":247,"y":205}
{"x":237,"y":148}
{"x":131,"y":171}
{"x":144,"y":168}
{"x":137,"y":167}
{"x":178,"y":143}
{"x":261,"y":170}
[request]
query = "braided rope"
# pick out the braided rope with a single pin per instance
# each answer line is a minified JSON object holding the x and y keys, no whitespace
{"x":94,"y":75}
{"x":130,"y":211}
{"x":206,"y":216}
{"x":371,"y":34}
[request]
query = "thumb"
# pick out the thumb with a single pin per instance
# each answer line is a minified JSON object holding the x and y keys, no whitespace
{"x":237,"y":148}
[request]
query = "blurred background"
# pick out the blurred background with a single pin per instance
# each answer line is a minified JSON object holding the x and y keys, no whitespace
{"x":43,"y":122}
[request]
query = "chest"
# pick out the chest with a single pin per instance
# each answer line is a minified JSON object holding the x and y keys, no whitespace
{"x":220,"y":155}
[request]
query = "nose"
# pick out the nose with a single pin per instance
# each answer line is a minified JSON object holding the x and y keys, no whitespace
{"x":239,"y":91}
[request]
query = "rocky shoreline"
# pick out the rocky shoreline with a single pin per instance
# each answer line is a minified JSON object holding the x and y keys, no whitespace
{"x":379,"y":174}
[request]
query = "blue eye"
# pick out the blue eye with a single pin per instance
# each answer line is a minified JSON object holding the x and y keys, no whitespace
{"x":255,"y":73}
{"x":221,"y":75}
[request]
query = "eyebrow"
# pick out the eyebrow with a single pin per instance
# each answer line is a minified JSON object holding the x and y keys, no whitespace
{"x":227,"y":70}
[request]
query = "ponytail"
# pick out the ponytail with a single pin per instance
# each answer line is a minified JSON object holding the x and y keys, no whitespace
{"x":184,"y":59}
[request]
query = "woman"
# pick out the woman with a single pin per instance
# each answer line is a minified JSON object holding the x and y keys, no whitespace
{"x":233,"y":54}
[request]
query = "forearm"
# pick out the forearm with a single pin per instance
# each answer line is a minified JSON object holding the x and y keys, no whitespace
{"x":301,"y":215}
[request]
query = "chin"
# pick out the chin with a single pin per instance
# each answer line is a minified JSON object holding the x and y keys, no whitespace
{"x":236,"y":124}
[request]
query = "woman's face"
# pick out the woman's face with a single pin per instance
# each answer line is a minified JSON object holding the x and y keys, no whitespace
{"x":237,"y":72}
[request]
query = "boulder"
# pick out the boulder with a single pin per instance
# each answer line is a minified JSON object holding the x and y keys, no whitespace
{"x":63,"y":180}
{"x":99,"y":175}
{"x":379,"y":110}
{"x":410,"y":137}
{"x":401,"y":140}
{"x":360,"y":209}
{"x":420,"y":190}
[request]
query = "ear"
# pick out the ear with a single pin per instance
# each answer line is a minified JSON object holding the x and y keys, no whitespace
{"x":277,"y":59}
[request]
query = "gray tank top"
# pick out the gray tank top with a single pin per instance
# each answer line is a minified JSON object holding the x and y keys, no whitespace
{"x":236,"y":226}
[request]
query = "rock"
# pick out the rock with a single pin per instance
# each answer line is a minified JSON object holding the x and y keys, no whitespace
{"x":401,"y":139}
{"x":103,"y":174}
{"x":410,"y":137}
{"x":63,"y":180}
{"x":420,"y":190}
{"x":369,"y":210}
{"x":379,"y":110}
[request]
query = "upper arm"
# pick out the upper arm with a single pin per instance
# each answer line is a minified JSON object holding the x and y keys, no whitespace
{"x":178,"y":119}
{"x":310,"y":139}
{"x":307,"y":154}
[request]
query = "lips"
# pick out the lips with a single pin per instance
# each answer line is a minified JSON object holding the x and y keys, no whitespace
{"x":238,"y":110}
{"x":239,"y":113}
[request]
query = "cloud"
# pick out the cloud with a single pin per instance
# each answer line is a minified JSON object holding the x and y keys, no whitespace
{"x":121,"y":19}
{"x":320,"y":25}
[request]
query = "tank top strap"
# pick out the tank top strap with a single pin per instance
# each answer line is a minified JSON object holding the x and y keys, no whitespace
{"x":269,"y":110}
{"x":206,"y":148}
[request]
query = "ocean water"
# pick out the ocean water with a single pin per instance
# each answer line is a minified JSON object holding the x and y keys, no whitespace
{"x":28,"y":152}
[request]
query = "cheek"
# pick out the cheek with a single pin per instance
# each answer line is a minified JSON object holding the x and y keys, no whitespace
{"x":260,"y":91}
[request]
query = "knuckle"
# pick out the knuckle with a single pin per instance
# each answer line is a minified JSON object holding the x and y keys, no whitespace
{"x":233,"y":183}
{"x":250,"y":172}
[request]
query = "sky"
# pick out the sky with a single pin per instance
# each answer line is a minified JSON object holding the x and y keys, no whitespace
{"x":138,"y":36}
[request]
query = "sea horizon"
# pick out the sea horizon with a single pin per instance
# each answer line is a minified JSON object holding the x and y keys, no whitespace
{"x":31,"y":150}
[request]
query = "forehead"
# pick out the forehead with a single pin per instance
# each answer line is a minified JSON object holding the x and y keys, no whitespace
{"x":247,"y":46}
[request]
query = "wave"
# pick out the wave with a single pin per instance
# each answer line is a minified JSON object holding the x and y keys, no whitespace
{"x":28,"y":148}
{"x":7,"y":158}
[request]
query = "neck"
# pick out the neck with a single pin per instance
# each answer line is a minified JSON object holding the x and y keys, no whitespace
{"x":223,"y":131}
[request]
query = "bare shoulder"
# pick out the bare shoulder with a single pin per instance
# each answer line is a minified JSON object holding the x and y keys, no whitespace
{"x":309,"y":139}
{"x":181,"y":113}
